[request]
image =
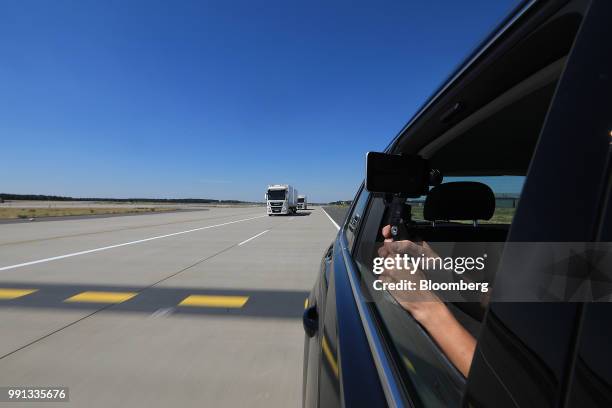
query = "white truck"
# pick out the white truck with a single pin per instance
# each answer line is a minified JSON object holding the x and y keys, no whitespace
{"x":281,"y":199}
{"x":302,"y":202}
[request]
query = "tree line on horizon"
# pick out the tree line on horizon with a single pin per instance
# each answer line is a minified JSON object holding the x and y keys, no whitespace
{"x":42,"y":197}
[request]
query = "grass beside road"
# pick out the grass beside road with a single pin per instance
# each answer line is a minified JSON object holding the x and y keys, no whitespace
{"x":12,"y":213}
{"x":500,"y":216}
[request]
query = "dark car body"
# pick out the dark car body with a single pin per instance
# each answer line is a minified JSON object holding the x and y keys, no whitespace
{"x":535,"y":100}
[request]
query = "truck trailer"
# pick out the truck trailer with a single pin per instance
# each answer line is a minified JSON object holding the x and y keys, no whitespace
{"x":302,"y":202}
{"x":281,"y":199}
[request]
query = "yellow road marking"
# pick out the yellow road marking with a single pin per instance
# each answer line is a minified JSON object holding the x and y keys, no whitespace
{"x":15,"y":293}
{"x":330,"y":357}
{"x":214,"y":301}
{"x":101,"y":297}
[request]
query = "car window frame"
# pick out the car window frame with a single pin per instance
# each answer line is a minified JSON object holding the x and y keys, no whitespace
{"x":346,"y":228}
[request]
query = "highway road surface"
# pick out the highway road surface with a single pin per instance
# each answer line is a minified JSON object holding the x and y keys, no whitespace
{"x":198,"y":308}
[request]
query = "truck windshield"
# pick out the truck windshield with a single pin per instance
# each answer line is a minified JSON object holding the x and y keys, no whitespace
{"x":300,"y":200}
{"x":276,"y":194}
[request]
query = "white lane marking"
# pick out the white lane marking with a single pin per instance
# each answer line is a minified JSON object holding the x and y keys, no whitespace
{"x":162,"y":312}
{"x":291,"y":219}
{"x":253,"y":237}
{"x":89,"y":251}
{"x":331,"y":219}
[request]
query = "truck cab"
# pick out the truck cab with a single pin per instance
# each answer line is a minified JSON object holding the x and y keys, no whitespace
{"x":281,"y":199}
{"x":302,"y":202}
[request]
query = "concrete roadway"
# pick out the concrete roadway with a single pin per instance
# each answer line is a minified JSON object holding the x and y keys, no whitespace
{"x":179,"y":309}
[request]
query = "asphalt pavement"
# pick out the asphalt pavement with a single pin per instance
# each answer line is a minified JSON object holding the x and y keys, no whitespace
{"x":198,"y":308}
{"x":336,"y":213}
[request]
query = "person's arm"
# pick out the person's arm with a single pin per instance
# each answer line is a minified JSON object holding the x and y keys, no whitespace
{"x":458,"y":345}
{"x":427,"y":309}
{"x":456,"y":342}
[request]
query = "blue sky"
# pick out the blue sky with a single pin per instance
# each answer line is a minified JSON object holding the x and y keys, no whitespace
{"x":217,"y":99}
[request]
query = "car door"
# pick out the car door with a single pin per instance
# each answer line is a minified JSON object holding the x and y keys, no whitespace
{"x":314,"y":310}
{"x":349,"y":325}
{"x":347,"y":375}
{"x":334,"y":375}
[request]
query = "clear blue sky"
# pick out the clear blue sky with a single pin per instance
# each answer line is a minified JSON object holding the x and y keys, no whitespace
{"x":217,"y":99}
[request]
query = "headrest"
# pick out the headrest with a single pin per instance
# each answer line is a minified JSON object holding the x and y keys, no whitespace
{"x":461,"y":200}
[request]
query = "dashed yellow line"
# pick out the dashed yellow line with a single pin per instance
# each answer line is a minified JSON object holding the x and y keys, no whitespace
{"x":214,"y":301}
{"x":330,"y":357}
{"x":101,"y":297}
{"x":6,"y":293}
{"x":119,"y":297}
